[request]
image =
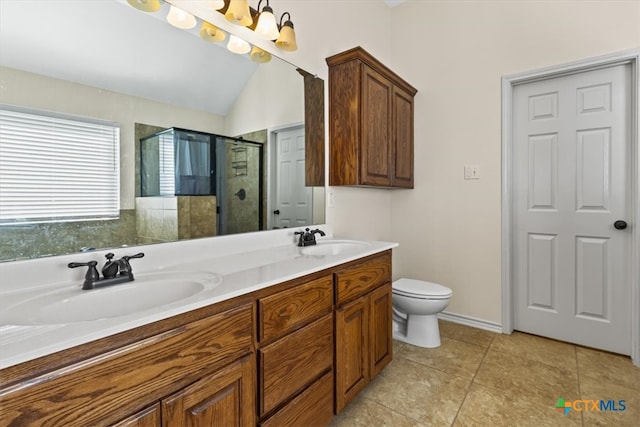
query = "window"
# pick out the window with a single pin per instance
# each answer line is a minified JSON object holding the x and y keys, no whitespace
{"x":57,"y":168}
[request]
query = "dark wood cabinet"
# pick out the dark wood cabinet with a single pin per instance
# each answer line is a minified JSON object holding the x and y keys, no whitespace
{"x":370,"y":123}
{"x":364,"y":343}
{"x":225,"y":398}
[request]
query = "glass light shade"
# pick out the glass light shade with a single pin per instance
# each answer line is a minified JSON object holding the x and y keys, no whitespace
{"x":216,"y":4}
{"x":238,"y":13}
{"x":237,"y":45}
{"x":181,"y":19}
{"x":267,"y":27}
{"x":287,"y":39}
{"x":259,"y":55}
{"x":211,"y":33}
{"x":145,"y":5}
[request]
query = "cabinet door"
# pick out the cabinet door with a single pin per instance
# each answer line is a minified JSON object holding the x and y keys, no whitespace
{"x":376,"y":148}
{"x":402,"y":139}
{"x":148,"y":417}
{"x":352,"y":353}
{"x":380,"y":329}
{"x":225,"y":398}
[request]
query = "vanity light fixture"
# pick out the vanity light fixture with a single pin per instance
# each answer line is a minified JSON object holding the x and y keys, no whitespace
{"x":259,"y":55}
{"x":287,"y":39}
{"x":211,"y":33}
{"x":267,"y":27}
{"x":145,"y":5}
{"x":237,"y":45}
{"x":238,"y":13}
{"x":181,"y":19}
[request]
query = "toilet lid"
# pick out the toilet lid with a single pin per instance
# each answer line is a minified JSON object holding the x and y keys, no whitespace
{"x":421,"y":288}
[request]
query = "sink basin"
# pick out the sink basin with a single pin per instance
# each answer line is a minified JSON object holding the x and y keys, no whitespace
{"x":335,"y":247}
{"x":71,"y":304}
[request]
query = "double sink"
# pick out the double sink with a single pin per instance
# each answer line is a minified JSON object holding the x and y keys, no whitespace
{"x":69,"y":304}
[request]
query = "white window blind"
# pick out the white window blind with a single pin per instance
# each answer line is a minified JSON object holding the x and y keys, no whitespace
{"x":56,"y":168}
{"x":167,"y":168}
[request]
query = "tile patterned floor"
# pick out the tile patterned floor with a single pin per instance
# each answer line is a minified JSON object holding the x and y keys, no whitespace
{"x":478,"y":378}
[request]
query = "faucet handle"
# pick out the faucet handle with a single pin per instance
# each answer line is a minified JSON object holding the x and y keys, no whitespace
{"x":128,"y":257}
{"x":125,"y":267}
{"x":92,"y":275}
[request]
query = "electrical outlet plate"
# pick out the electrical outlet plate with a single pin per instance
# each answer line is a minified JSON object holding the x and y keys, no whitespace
{"x":331,"y":199}
{"x":471,"y":172}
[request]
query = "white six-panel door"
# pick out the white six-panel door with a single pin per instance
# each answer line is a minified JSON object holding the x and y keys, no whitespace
{"x":572,"y":172}
{"x":293,"y":199}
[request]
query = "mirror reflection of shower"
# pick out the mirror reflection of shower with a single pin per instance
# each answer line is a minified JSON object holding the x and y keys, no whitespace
{"x":191,"y":184}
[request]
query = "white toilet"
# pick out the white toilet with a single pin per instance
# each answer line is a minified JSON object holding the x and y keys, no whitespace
{"x":416,"y":305}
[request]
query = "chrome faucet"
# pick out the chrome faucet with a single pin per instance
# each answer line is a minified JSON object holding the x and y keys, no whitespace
{"x":113,"y":272}
{"x":308,"y":237}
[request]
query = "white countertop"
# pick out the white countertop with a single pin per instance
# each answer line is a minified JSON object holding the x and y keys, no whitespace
{"x":269,"y":262}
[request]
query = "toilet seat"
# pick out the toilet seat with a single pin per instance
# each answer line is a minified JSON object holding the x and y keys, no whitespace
{"x":420,"y":289}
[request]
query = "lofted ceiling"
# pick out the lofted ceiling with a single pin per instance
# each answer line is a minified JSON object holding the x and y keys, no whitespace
{"x":110,"y":45}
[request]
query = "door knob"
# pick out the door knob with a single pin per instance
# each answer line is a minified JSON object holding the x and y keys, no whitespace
{"x":276,"y":212}
{"x":620,"y":225}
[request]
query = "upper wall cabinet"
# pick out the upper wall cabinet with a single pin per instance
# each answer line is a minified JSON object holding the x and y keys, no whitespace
{"x":370,"y":123}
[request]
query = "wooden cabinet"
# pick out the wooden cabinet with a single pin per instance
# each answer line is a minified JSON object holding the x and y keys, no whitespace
{"x":370,"y":123}
{"x":296,"y":354}
{"x":111,"y":386}
{"x":226,"y":398}
{"x":363,"y":326}
{"x":284,"y":356}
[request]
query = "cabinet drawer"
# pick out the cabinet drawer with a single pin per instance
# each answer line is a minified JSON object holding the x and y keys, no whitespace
{"x":293,"y":362}
{"x":313,"y":407}
{"x":109,"y":387}
{"x":355,"y":281}
{"x":284,"y":311}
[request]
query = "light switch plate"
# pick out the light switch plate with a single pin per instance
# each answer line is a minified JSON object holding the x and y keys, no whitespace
{"x":471,"y":172}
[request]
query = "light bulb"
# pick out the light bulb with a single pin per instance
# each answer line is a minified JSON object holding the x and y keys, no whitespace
{"x":181,"y":19}
{"x":237,"y":45}
{"x":267,"y":27}
{"x":216,"y":4}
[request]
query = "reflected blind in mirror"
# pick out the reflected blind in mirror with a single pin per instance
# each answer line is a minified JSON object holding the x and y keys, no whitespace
{"x":55,"y":168}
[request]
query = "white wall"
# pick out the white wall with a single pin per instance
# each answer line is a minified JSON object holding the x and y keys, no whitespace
{"x":45,"y":93}
{"x":455,"y":54}
{"x":281,"y":100}
{"x":324,"y":28}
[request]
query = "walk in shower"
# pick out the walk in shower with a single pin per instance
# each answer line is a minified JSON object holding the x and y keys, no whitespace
{"x":216,"y":180}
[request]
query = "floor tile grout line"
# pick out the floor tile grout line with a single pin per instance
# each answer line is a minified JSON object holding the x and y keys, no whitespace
{"x":471,"y":382}
{"x":432,"y":367}
{"x":514,"y":354}
{"x":392,"y":410}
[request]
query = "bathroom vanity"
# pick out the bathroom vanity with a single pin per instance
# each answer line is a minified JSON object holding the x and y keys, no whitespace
{"x":289,"y":341}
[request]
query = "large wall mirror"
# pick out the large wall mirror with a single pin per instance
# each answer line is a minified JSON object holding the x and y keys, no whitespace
{"x":106,"y":61}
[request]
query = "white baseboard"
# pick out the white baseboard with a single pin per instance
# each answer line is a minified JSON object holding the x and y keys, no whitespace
{"x":471,"y":321}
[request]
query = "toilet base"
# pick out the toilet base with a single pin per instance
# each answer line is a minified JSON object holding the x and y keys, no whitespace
{"x":421,"y":331}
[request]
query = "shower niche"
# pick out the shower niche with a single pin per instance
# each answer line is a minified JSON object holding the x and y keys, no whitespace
{"x":195,"y":184}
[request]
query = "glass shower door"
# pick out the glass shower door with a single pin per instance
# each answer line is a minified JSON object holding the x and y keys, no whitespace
{"x":239,"y":185}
